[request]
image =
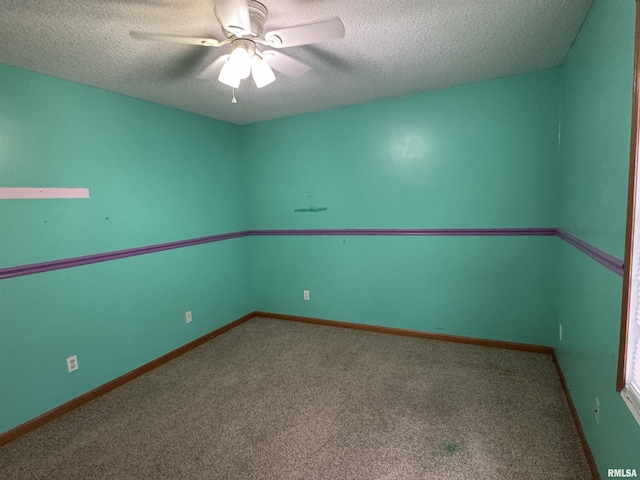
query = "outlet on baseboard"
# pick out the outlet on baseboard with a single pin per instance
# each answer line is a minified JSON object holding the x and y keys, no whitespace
{"x":306,"y":295}
{"x":596,"y":411}
{"x":188,"y":317}
{"x":560,"y":331}
{"x":72,"y":363}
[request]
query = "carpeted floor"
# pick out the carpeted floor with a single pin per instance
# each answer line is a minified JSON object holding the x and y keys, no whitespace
{"x":281,"y":400}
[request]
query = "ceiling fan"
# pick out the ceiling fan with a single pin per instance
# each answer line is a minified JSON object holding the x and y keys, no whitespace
{"x":243,"y":22}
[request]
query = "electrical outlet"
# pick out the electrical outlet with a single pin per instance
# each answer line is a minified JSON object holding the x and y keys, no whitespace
{"x":72,"y":363}
{"x":306,"y":294}
{"x":596,"y":411}
{"x":560,"y":332}
{"x":188,"y":317}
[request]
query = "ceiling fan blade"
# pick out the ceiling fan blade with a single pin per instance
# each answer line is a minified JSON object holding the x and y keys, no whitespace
{"x":233,"y":16}
{"x":285,"y":64}
{"x":206,"y":42}
{"x":213,"y":70}
{"x":322,"y":31}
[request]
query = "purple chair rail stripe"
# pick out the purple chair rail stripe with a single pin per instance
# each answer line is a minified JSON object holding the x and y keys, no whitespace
{"x":427,"y":232}
{"x":115,"y":255}
{"x":614,"y":264}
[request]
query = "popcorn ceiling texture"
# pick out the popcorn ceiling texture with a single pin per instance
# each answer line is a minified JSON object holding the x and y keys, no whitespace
{"x":392,"y":48}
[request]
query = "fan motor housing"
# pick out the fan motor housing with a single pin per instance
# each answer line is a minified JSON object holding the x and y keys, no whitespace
{"x":257,"y":17}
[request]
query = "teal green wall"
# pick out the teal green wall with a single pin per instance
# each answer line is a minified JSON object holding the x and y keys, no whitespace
{"x":477,"y":156}
{"x":597,"y":81}
{"x":594,"y":158}
{"x":483,"y":287}
{"x":155,"y":175}
{"x":481,"y":155}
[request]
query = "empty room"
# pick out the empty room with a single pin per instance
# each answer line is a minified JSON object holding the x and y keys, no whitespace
{"x":319,"y":239}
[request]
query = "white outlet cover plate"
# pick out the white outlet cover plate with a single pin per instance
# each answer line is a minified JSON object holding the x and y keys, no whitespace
{"x":72,"y":363}
{"x":188,"y":317}
{"x":306,"y":295}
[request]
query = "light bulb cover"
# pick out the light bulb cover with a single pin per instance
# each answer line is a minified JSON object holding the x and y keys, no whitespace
{"x":241,"y":62}
{"x":228,"y":75}
{"x":238,"y":65}
{"x":239,"y":54}
{"x":261,"y":72}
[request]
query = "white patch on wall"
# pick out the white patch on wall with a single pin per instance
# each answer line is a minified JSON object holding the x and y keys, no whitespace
{"x":408,"y":148}
{"x":24,"y":193}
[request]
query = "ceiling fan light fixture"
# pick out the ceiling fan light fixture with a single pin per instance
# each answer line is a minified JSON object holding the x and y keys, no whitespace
{"x":242,"y":22}
{"x":238,"y":65}
{"x":261,"y":72}
{"x":229,"y":75}
{"x":240,"y":60}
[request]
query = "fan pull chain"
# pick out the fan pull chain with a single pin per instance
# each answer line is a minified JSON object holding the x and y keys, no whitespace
{"x":233,"y":95}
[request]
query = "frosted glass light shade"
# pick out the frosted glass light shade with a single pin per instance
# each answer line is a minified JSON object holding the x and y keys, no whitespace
{"x":261,"y":72}
{"x":228,"y":75}
{"x":236,"y":68}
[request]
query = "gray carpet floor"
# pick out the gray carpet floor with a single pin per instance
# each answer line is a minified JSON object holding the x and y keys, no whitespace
{"x":281,"y":400}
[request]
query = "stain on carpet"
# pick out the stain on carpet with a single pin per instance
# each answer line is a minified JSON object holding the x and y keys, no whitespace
{"x":449,"y":448}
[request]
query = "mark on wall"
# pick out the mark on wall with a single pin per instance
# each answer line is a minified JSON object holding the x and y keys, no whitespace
{"x":310,"y":210}
{"x":407,"y":147}
{"x":23,"y":193}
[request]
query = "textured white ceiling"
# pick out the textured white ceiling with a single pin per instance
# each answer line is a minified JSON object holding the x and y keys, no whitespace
{"x":392,"y":48}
